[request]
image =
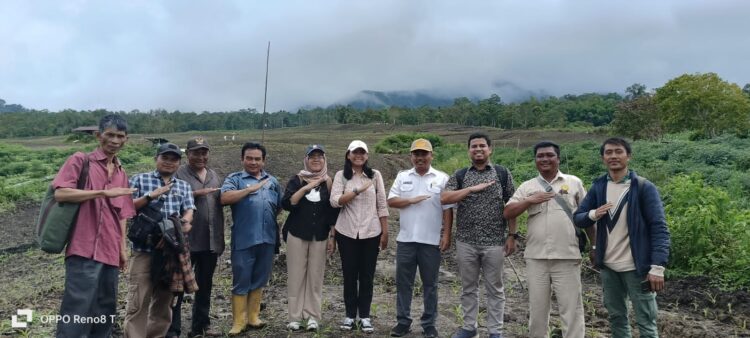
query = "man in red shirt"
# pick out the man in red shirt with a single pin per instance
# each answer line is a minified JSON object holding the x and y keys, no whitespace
{"x":97,"y":243}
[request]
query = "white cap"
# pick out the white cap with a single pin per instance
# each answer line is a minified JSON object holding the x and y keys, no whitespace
{"x":357,"y":144}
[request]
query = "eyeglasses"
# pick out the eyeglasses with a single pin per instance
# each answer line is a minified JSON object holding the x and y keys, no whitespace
{"x":315,"y":157}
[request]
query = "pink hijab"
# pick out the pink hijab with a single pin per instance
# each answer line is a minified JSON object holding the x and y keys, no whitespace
{"x":307,"y":175}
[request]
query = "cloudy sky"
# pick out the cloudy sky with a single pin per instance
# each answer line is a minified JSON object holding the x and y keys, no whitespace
{"x":210,"y":55}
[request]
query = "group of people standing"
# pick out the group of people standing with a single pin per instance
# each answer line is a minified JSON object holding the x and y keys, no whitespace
{"x":348,"y":212}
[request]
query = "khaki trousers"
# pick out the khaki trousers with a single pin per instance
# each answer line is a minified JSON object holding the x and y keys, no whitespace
{"x":149,"y":309}
{"x":473,"y":259}
{"x":563,"y":276}
{"x":305,"y":263}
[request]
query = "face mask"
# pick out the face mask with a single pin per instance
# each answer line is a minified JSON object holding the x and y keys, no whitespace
{"x":313,"y":195}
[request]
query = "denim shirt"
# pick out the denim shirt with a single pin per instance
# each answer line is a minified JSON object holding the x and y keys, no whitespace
{"x":254,"y":216}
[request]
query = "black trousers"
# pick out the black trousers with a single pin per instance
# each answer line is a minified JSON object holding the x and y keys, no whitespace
{"x":358,"y":260}
{"x":90,"y":294}
{"x":204,"y":264}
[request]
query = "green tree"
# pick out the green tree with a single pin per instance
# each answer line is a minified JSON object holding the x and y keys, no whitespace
{"x":638,"y":118}
{"x":635,"y":90}
{"x":704,"y":103}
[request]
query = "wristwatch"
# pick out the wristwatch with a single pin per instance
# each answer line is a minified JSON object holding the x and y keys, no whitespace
{"x":356,"y":191}
{"x":514,"y":235}
{"x":149,"y":198}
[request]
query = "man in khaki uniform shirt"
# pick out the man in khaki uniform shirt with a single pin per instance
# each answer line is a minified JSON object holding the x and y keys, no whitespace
{"x":553,"y":259}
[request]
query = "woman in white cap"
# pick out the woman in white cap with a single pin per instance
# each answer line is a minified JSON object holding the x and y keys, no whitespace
{"x":306,"y":229}
{"x":361,"y":231}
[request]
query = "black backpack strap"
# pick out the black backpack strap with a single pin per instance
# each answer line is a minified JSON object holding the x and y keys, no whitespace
{"x":502,"y":176}
{"x":83,"y":176}
{"x":460,"y":174}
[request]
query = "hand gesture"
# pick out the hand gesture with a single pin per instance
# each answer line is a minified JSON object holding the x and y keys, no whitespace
{"x":417,"y":199}
{"x":602,"y":210}
{"x":311,"y":184}
{"x":365,"y":186}
{"x":540,"y":197}
{"x":205,"y":191}
{"x":255,"y":187}
{"x":160,"y":191}
{"x":117,"y":192}
{"x":481,"y":186}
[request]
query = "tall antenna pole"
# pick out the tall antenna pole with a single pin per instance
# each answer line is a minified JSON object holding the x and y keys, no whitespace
{"x":265,"y":95}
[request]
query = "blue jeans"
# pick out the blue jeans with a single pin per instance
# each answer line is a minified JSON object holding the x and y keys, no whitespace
{"x":618,"y":287}
{"x":409,"y":256}
{"x":251,"y":268}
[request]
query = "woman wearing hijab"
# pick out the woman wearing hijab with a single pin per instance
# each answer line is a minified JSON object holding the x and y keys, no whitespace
{"x":306,"y":229}
{"x":361,"y":231}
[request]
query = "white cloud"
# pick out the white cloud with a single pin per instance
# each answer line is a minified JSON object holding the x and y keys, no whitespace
{"x":206,"y":55}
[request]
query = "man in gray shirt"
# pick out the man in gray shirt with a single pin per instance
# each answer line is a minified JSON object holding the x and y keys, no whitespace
{"x":206,"y":238}
{"x":481,"y":191}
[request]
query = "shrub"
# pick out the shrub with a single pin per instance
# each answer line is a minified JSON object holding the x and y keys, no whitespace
{"x":709,"y":231}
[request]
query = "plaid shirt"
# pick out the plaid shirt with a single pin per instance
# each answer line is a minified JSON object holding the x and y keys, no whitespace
{"x":176,"y":201}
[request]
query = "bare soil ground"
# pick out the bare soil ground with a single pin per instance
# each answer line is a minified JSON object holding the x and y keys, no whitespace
{"x":31,"y":279}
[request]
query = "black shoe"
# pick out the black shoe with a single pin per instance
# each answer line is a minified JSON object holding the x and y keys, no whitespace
{"x":400,"y":330}
{"x":430,"y":332}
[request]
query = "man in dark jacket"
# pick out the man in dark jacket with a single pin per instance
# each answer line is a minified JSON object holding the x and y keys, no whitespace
{"x":632,"y":240}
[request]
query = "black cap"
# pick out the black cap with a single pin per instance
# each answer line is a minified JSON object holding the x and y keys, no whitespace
{"x":169,"y":148}
{"x":197,"y":143}
{"x":314,"y":147}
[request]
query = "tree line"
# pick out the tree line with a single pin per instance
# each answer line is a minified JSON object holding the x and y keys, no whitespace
{"x":703,"y":103}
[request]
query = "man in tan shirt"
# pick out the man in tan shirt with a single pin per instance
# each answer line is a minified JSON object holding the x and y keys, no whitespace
{"x":553,"y":258}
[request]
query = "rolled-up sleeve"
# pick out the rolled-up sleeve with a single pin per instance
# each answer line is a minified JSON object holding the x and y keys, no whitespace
{"x":68,"y":175}
{"x":189,"y":202}
{"x":337,"y":189}
{"x":229,"y":184}
{"x":380,"y":196}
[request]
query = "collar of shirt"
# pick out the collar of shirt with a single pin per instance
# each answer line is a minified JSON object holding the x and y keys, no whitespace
{"x":431,"y":171}
{"x":156,"y":174}
{"x":99,"y":155}
{"x":195,"y":173}
{"x":558,"y":176}
{"x":625,"y":179}
{"x":263,"y":174}
{"x":488,"y":166}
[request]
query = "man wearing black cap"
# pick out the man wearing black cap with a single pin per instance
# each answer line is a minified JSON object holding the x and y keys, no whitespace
{"x":206,"y":238}
{"x":149,"y":312}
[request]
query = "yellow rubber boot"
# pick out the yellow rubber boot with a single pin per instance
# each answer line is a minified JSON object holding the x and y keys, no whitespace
{"x":253,"y":307}
{"x":239,"y":314}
